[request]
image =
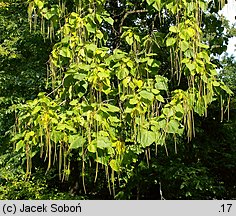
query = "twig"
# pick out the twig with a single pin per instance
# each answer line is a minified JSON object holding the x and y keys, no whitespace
{"x":56,"y":88}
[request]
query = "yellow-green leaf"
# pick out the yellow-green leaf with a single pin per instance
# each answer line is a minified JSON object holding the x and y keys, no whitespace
{"x":170,"y":41}
{"x":19,"y":145}
{"x":114,"y":165}
{"x":92,"y":148}
{"x":147,"y":95}
{"x":76,"y":141}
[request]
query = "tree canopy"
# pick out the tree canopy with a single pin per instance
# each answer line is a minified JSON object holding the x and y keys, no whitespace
{"x":103,"y":88}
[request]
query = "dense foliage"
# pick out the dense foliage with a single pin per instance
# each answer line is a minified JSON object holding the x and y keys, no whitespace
{"x":107,"y":97}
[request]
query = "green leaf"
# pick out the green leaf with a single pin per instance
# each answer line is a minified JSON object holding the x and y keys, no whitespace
{"x":119,"y":54}
{"x":149,"y":61}
{"x":137,"y":38}
{"x":215,"y":83}
{"x":49,"y":15}
{"x":91,"y":47}
{"x":133,"y":101}
{"x":170,"y":41}
{"x":191,"y":32}
{"x":36,"y":110}
{"x":80,"y":76}
{"x":128,"y":110}
{"x":147,"y":138}
{"x":102,"y":160}
{"x":39,"y":3}
{"x":161,"y":83}
{"x":83,"y":66}
{"x":98,"y":17}
{"x":147,"y":95}
{"x":103,"y":142}
{"x":99,"y":34}
{"x":114,"y":165}
{"x":122,"y":73}
{"x":191,"y":66}
{"x":112,"y":108}
{"x":161,"y":123}
{"x":150,"y":2}
{"x":19,"y":145}
{"x":65,"y":52}
{"x":113,"y":119}
{"x":160,"y":98}
{"x":17,"y":137}
{"x":129,"y":40}
{"x":28,"y":135}
{"x":92,"y":148}
{"x":226,"y":89}
{"x":103,"y":133}
{"x":108,"y":20}
{"x":74,"y":102}
{"x":168,"y":111}
{"x":157,"y":5}
{"x":200,"y":106}
{"x":76,"y":141}
{"x":173,"y":127}
{"x":61,"y":126}
{"x":104,"y":74}
{"x":203,"y":5}
{"x":90,"y":27}
{"x":205,"y":46}
{"x":173,"y":29}
{"x":155,"y":91}
{"x":56,"y":136}
{"x":70,"y":128}
{"x":184,"y":45}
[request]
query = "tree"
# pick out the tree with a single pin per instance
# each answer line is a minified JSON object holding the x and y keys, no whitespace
{"x":23,"y":69}
{"x":127,"y":77}
{"x":23,"y":62}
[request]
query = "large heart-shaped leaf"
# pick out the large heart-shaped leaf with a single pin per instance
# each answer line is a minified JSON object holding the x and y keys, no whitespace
{"x":147,"y":138}
{"x":76,"y":141}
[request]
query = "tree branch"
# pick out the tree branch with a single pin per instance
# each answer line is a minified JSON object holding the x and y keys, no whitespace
{"x":128,"y":13}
